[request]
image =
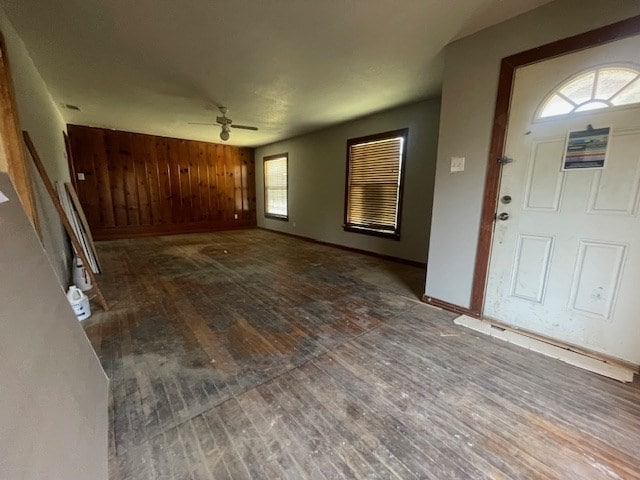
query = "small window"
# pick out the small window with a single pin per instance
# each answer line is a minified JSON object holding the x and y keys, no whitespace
{"x":593,"y":90}
{"x":275,"y":186}
{"x":375,"y":167}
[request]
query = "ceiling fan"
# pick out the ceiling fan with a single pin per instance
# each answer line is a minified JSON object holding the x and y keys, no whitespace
{"x":226,"y":123}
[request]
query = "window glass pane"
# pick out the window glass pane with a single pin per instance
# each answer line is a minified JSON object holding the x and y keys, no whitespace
{"x":612,"y":80}
{"x":597,"y":89}
{"x":595,"y":105}
{"x":275,"y":179}
{"x":630,"y":94}
{"x":277,"y":202}
{"x":581,"y":89}
{"x":556,"y":105}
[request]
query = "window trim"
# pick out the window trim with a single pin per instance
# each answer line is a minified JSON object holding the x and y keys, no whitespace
{"x":274,"y":216}
{"x":395,"y":234}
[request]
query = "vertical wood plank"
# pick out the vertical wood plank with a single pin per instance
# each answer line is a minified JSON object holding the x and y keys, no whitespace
{"x":84,"y":164}
{"x":103,"y":181}
{"x":142,"y":184}
{"x":251,"y":184}
{"x":164,"y":180}
{"x":140,"y":156}
{"x":212,"y":199}
{"x":153,"y":180}
{"x":185,"y":182}
{"x":194,"y":179}
{"x":220,"y":182}
{"x":243,"y":188}
{"x":125,"y":154}
{"x":237,"y":182}
{"x":70,"y":163}
{"x":116,"y":174}
{"x":203,"y":183}
{"x":229,"y":184}
{"x":173,"y":158}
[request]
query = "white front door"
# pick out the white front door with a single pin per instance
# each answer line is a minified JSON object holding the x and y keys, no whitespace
{"x":566,"y":261}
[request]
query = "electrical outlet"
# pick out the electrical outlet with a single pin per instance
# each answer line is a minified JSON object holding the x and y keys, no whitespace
{"x":235,"y":215}
{"x":80,"y":176}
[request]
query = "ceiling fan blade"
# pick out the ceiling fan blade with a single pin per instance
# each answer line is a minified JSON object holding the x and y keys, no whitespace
{"x":244,"y":127}
{"x":201,"y":123}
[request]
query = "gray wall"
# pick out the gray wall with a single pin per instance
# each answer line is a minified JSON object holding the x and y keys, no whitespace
{"x":472,"y":66}
{"x":40,"y":117}
{"x":317,"y":166}
{"x":54,"y":394}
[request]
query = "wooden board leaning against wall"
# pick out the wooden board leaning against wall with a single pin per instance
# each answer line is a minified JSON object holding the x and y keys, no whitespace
{"x":132,"y":184}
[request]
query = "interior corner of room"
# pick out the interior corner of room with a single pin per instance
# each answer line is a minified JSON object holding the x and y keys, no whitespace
{"x":288,"y":246}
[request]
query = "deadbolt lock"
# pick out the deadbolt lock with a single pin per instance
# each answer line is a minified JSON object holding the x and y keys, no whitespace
{"x":503,"y":216}
{"x":506,"y":199}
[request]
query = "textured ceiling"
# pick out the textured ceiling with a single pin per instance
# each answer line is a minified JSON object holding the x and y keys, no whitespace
{"x":285,"y":66}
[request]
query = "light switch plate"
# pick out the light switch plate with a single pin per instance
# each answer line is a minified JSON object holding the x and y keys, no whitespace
{"x":457,"y":164}
{"x":80,"y":176}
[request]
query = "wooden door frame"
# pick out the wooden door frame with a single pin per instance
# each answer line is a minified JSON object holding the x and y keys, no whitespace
{"x":11,"y":139}
{"x":610,"y":33}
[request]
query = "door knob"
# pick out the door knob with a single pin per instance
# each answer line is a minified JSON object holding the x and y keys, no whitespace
{"x":503,"y":216}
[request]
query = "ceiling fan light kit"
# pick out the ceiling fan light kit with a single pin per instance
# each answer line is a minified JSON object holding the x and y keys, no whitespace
{"x":224,"y":134}
{"x":226,"y":124}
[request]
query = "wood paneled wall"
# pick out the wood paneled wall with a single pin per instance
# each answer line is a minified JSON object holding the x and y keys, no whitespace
{"x":137,"y":184}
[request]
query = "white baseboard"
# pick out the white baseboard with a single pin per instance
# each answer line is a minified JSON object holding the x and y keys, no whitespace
{"x":617,"y":372}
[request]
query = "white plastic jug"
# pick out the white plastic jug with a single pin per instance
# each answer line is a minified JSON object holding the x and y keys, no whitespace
{"x":80,"y":276}
{"x":79,"y":302}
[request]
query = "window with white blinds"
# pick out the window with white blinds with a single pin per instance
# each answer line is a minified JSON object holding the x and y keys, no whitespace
{"x":374,"y":183}
{"x":275,"y":186}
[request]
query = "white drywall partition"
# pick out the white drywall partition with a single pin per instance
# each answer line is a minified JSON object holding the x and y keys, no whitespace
{"x":54,"y":393}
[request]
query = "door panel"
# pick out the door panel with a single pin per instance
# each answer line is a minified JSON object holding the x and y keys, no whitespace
{"x":615,"y":190}
{"x":533,"y":255}
{"x":595,"y":281}
{"x":566,"y":262}
{"x":545,"y":182}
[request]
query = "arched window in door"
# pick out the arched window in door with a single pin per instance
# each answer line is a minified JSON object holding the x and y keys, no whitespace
{"x":603,"y":87}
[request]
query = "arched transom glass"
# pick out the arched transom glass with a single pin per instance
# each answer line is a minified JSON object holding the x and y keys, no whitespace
{"x":601,"y":88}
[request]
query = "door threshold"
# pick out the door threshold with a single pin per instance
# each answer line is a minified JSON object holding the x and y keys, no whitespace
{"x":612,"y":369}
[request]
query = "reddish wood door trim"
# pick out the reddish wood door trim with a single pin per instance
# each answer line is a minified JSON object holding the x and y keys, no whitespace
{"x":11,"y":138}
{"x":616,"y":31}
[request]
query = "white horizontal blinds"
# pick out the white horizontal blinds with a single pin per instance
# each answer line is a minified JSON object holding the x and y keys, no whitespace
{"x":275,"y":175}
{"x":374,"y":184}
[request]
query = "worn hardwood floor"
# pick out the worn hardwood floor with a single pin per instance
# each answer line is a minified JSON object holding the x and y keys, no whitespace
{"x":249,"y":354}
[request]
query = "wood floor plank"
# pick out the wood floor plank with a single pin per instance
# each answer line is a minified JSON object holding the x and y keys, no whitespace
{"x":250,"y":355}
{"x":360,"y":463}
{"x":232,"y":457}
{"x":251,"y":448}
{"x":348,"y":420}
{"x":260,"y":415}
